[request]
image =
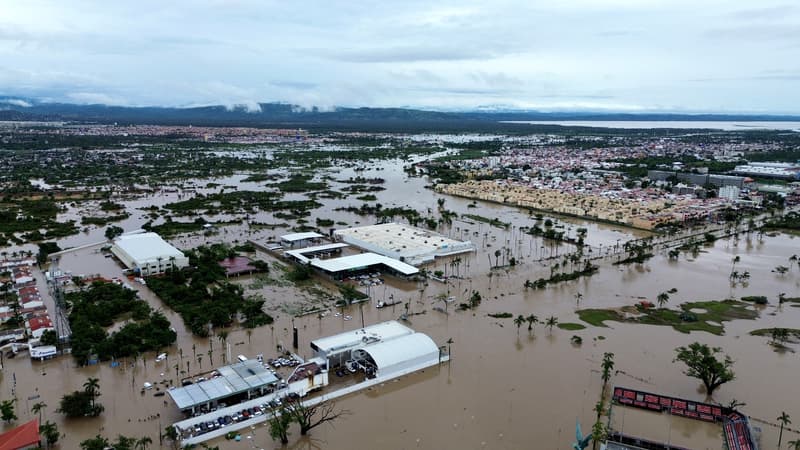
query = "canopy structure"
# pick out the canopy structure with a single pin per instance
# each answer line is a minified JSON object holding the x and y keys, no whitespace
{"x":243,"y":377}
{"x":363,"y":261}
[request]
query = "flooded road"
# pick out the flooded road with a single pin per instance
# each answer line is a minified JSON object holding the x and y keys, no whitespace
{"x":505,"y":388}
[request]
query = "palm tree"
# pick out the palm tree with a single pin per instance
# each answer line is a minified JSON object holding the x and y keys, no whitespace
{"x":518,"y":321}
{"x":662,"y":299}
{"x":784,"y":420}
{"x":794,"y":445}
{"x":92,"y":387}
{"x":608,"y":366}
{"x":50,"y":433}
{"x":736,"y":259}
{"x":578,"y":297}
{"x":532,"y":321}
{"x":142,"y":443}
{"x":37,"y":408}
{"x":200,"y":361}
{"x":551,"y":322}
{"x":249,"y":335}
{"x":223,"y":337}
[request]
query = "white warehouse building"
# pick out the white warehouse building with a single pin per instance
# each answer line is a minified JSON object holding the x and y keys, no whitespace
{"x":147,"y":253}
{"x":405,"y":243}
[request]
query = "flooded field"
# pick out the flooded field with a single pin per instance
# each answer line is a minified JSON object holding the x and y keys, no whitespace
{"x":505,"y":387}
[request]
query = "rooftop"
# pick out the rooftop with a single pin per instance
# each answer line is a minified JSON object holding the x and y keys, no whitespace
{"x":23,"y":436}
{"x":403,"y":241}
{"x":292,"y":237}
{"x":299,"y":254}
{"x":234,"y":379}
{"x":146,"y":246}
{"x":378,"y":332}
{"x":360,"y":261}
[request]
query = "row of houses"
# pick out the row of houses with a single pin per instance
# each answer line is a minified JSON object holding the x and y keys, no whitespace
{"x":18,"y":279}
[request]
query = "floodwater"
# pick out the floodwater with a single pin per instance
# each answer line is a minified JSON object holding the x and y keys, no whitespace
{"x":686,"y":124}
{"x":504,"y":388}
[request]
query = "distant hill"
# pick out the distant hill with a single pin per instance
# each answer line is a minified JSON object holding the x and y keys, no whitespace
{"x":285,"y":115}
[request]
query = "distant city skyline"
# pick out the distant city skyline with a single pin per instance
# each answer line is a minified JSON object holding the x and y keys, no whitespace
{"x":679,"y":56}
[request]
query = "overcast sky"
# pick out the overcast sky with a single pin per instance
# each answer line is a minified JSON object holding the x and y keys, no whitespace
{"x":626,"y":55}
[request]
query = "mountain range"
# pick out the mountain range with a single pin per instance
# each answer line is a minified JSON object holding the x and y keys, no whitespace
{"x":286,"y":115}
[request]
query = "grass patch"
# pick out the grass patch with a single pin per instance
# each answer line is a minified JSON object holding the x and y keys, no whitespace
{"x":768,"y":332}
{"x":491,"y":221}
{"x":571,"y":326}
{"x":596,"y":317}
{"x":683,"y":320}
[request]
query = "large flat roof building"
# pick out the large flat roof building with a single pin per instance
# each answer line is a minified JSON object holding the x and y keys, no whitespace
{"x":403,"y":242}
{"x":293,"y":240}
{"x":147,"y":253}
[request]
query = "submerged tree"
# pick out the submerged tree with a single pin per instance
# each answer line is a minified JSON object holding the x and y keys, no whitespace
{"x":7,"y":411}
{"x":702,"y":363}
{"x":279,"y":425}
{"x":518,"y":321}
{"x":784,"y":420}
{"x":551,"y":322}
{"x":310,"y":417}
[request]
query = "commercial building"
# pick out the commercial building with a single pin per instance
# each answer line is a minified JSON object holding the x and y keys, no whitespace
{"x":147,"y":253}
{"x":373,"y":354}
{"x":243,"y":380}
{"x":380,"y":349}
{"x":786,"y":171}
{"x":295,"y":240}
{"x":405,"y":243}
{"x":345,"y":266}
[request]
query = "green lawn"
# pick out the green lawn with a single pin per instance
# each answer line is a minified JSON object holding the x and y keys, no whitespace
{"x":571,"y":326}
{"x":683,"y":320}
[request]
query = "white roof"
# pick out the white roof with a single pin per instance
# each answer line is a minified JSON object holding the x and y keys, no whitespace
{"x":404,"y":348}
{"x":403,"y":241}
{"x":300,"y":236}
{"x":382,"y":331}
{"x":300,"y":253}
{"x":146,"y":247}
{"x":362,"y":260}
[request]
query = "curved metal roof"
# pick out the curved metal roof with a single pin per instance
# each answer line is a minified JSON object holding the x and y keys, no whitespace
{"x":402,"y":349}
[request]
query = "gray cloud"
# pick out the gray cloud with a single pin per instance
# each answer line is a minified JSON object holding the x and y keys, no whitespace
{"x":450,"y":54}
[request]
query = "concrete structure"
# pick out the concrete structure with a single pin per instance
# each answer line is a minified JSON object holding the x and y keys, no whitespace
{"x":699,"y":179}
{"x":147,"y":253}
{"x":730,"y":193}
{"x":245,"y":379}
{"x":295,"y":240}
{"x":403,"y":242}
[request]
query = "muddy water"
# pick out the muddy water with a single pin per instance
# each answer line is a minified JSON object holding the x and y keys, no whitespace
{"x":504,"y":388}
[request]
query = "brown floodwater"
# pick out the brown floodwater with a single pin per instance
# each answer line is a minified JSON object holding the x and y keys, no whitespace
{"x":504,"y":388}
